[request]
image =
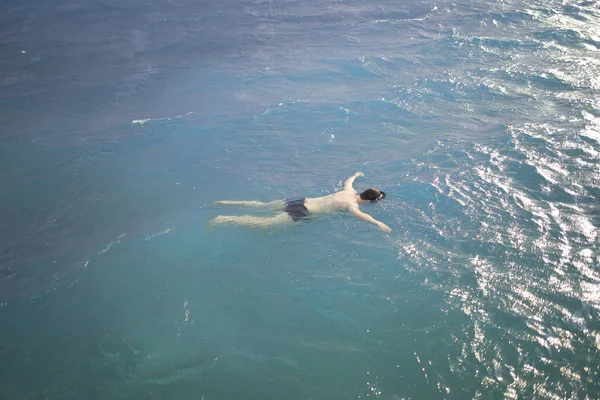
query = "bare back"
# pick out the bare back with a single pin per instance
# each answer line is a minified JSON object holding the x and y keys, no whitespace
{"x":343,"y":200}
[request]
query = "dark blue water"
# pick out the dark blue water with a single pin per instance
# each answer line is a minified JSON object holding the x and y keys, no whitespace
{"x":122,"y":123}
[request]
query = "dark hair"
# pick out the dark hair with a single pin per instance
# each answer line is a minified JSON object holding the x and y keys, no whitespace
{"x":372,"y":195}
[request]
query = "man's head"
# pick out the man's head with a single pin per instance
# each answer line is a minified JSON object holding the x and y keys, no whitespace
{"x":372,"y":195}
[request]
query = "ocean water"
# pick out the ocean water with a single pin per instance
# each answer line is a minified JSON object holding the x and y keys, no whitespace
{"x":123,"y":122}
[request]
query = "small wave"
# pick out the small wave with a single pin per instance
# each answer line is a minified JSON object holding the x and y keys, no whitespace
{"x":592,"y":130}
{"x":144,"y":121}
{"x":569,"y":38}
{"x":141,"y":121}
{"x":157,"y":234}
{"x":496,"y":43}
{"x":111,"y":244}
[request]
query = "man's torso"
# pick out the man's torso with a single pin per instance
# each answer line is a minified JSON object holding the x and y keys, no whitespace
{"x":334,"y":202}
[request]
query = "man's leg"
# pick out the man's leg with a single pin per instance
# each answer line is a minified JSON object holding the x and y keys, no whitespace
{"x":275,"y":205}
{"x":250,"y":221}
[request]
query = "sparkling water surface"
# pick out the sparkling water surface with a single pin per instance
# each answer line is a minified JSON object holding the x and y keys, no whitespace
{"x":123,"y":122}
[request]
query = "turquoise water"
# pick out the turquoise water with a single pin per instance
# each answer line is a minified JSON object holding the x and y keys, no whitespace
{"x":123,"y":123}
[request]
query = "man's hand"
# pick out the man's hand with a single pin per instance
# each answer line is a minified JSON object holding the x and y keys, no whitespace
{"x":384,"y":227}
{"x":358,"y":174}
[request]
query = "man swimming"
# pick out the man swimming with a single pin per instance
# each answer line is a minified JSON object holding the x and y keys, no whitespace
{"x":300,"y":209}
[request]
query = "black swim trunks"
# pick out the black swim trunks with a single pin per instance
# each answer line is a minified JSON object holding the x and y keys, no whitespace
{"x":296,"y":209}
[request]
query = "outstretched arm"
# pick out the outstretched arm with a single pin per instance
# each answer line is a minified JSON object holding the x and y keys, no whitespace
{"x":368,"y":218}
{"x":350,"y":181}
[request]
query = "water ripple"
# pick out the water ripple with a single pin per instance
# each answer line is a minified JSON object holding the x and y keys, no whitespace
{"x":526,"y":195}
